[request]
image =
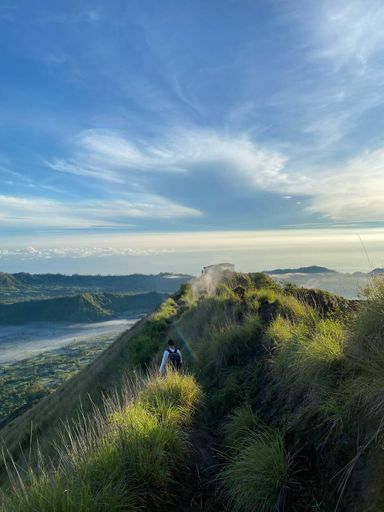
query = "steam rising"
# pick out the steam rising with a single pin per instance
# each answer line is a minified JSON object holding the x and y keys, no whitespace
{"x":210,"y":278}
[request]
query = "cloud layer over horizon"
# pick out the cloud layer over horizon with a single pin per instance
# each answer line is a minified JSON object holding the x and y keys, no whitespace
{"x":144,"y":117}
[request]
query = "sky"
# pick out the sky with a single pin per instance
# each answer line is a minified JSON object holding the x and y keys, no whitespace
{"x":146,"y":136}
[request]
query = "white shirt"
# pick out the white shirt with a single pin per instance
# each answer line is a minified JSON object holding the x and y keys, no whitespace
{"x":164,"y":361}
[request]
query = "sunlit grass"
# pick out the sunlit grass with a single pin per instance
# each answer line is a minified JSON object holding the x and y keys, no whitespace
{"x":305,"y":357}
{"x":124,"y":457}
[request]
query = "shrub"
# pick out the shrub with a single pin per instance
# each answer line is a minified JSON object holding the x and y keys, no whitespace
{"x":258,"y":476}
{"x":234,"y":344}
{"x":320,"y":357}
{"x":305,"y":357}
{"x":186,"y":294}
{"x":326,"y":304}
{"x":175,"y":390}
{"x":233,"y":387}
{"x":224,"y":291}
{"x":239,"y":424}
{"x":296,"y":310}
{"x":260,"y":280}
{"x":252,"y":300}
{"x":288,"y":338}
{"x":167,"y":310}
{"x":142,"y":349}
{"x":365,"y":351}
{"x":279,"y":332}
{"x":125,"y":458}
{"x":267,"y":295}
{"x":53,"y":493}
{"x":368,"y":325}
{"x":207,"y":317}
{"x":152,"y":449}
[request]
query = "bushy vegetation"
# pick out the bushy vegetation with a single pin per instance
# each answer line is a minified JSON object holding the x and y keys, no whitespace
{"x":125,"y":457}
{"x":137,"y":348}
{"x":305,"y":357}
{"x":241,"y":421}
{"x":258,"y":476}
{"x":293,"y":400}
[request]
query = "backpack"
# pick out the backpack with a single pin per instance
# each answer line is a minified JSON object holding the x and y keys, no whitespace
{"x":174,"y":359}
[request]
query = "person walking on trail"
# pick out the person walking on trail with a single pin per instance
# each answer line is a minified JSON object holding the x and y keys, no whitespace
{"x":172,"y":358}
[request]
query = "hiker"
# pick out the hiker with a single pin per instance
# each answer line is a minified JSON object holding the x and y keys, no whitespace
{"x":171,"y":358}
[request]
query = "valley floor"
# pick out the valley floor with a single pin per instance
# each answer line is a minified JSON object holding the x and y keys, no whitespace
{"x":56,"y":353}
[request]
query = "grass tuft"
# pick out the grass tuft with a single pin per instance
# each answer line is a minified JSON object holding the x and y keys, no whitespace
{"x":305,"y":358}
{"x":258,"y":476}
{"x":124,"y":457}
{"x":175,"y":395}
{"x":241,"y":421}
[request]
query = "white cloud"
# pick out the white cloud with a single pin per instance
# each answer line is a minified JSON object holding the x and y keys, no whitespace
{"x":48,"y":253}
{"x":23,"y":212}
{"x":338,"y":72}
{"x":351,"y":191}
{"x":85,"y":169}
{"x":338,"y":248}
{"x":110,"y":156}
{"x":345,"y":192}
{"x":351,"y":31}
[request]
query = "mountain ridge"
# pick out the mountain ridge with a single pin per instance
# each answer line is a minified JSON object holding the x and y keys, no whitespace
{"x":85,"y":307}
{"x":276,"y":365}
{"x":312,"y":269}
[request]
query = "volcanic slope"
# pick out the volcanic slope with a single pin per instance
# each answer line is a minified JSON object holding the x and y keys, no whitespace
{"x":283,"y":411}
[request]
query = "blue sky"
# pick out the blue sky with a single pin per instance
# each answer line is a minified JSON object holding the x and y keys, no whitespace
{"x":124,"y":118}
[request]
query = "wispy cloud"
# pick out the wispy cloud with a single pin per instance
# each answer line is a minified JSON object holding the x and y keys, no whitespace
{"x":331,"y":73}
{"x":110,"y":156}
{"x":353,"y":191}
{"x":40,"y":212}
{"x":350,"y":31}
{"x":48,"y":253}
{"x":348,"y":191}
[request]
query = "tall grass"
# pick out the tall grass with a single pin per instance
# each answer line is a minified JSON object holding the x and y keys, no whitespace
{"x":167,"y":309}
{"x":365,"y":353}
{"x":240,"y":422}
{"x":258,"y":476}
{"x":305,"y":357}
{"x":126,"y":456}
{"x":234,"y":343}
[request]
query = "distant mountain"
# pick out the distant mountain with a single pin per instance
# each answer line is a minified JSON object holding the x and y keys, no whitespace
{"x":8,"y":281}
{"x":23,"y":286}
{"x":314,"y":269}
{"x":164,"y":282}
{"x":86,"y":307}
{"x":376,"y":271}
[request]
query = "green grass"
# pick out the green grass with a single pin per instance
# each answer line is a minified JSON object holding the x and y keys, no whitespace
{"x":365,"y":354}
{"x":167,"y":309}
{"x":257,"y":477}
{"x":240,"y":422}
{"x":233,"y":344}
{"x":178,"y":392}
{"x":125,"y":457}
{"x":278,"y":333}
{"x":254,"y":348}
{"x":231,"y":388}
{"x":205,"y":317}
{"x":54,"y":492}
{"x":305,"y":358}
